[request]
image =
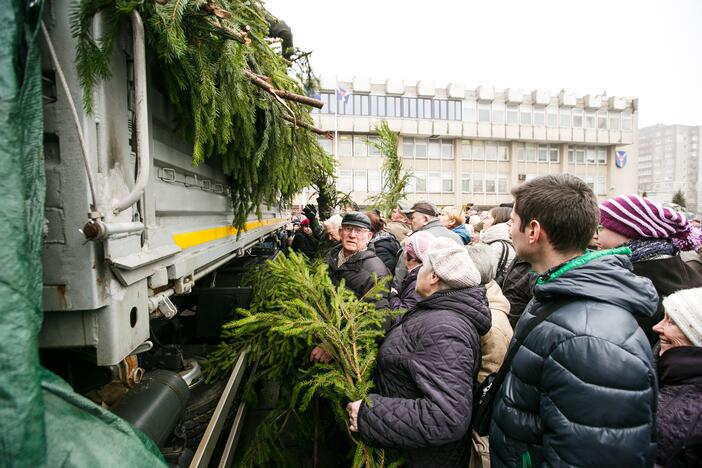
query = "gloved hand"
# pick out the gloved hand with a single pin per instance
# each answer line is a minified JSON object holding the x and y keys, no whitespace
{"x":310,"y":211}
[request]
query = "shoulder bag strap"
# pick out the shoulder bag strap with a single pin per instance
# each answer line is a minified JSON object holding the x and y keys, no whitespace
{"x":546,"y":311}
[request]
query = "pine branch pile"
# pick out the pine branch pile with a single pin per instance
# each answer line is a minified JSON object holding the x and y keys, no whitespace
{"x":295,"y":307}
{"x":211,"y":55}
{"x":394,"y":180}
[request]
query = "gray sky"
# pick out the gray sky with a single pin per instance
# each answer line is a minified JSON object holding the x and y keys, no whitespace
{"x":645,"y":49}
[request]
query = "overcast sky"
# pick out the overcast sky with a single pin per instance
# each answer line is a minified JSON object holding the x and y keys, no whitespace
{"x":645,"y":49}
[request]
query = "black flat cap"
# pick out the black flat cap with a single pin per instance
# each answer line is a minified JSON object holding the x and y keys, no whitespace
{"x":357,"y":219}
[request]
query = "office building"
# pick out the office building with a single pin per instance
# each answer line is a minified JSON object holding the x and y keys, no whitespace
{"x":472,"y":145}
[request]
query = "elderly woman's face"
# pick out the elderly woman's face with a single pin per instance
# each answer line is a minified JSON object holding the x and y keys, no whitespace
{"x":670,"y":334}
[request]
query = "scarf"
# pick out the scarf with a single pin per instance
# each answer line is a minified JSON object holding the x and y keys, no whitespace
{"x":646,"y":249}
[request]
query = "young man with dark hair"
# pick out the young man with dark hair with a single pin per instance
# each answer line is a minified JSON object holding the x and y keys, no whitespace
{"x":581,"y":389}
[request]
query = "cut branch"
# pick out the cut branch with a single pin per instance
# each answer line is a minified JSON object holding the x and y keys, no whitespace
{"x":229,"y":33}
{"x":309,"y":127}
{"x":266,"y":86}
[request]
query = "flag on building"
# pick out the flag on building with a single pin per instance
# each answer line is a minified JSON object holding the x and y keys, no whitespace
{"x":342,"y":94}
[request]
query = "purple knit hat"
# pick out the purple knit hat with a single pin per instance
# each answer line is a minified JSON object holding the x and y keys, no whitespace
{"x":638,"y":218}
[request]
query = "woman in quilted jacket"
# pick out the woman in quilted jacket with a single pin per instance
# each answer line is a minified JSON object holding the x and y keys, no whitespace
{"x":427,"y":364}
{"x":679,"y":417}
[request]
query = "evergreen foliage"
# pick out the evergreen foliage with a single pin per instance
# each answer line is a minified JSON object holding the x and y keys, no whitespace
{"x":295,"y":306}
{"x":220,"y":111}
{"x":679,"y":199}
{"x":394,"y":181}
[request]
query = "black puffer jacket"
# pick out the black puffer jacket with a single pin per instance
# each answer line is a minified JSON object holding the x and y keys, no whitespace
{"x":581,"y":391}
{"x":679,"y":423}
{"x":517,"y":288}
{"x":426,"y":367}
{"x":386,"y":248}
{"x":358,"y":271}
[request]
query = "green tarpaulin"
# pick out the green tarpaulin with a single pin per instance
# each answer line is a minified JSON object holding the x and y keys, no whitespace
{"x":42,"y":421}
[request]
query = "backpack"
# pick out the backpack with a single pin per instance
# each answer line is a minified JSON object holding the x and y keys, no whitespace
{"x":501,"y":271}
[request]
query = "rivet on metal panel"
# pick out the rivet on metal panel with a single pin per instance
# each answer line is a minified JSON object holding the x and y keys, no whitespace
{"x":167,"y":174}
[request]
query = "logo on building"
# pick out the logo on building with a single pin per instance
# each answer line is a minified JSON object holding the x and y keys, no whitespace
{"x":620,"y":159}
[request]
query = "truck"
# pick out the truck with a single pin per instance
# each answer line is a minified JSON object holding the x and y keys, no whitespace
{"x":142,"y":262}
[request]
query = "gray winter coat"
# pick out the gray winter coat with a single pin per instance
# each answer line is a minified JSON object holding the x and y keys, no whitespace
{"x":425,"y":372}
{"x":581,"y":391}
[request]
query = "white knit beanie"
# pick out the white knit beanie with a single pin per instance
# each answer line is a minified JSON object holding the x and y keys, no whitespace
{"x":685,"y":308}
{"x":452,"y":264}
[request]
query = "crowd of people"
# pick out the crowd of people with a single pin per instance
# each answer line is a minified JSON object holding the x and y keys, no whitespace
{"x":578,"y":327}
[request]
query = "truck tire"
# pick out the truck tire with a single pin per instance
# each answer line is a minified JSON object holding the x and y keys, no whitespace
{"x":199,"y":411}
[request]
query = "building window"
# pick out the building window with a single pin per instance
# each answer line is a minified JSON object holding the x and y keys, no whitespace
{"x":374,"y":181}
{"x":434,"y":149}
{"x":446,"y":149}
{"x":502,"y":186}
{"x":345,"y":181}
{"x":466,"y":186}
{"x":614,"y":121}
{"x":360,"y":147}
{"x":552,"y":116}
{"x":469,"y":111}
{"x":360,"y":184}
{"x":626,"y":121}
{"x":434,"y":182}
{"x":465,"y":149}
{"x":478,"y":186}
{"x":577,"y":118}
{"x":502,"y":153}
{"x":601,"y":156}
{"x":345,"y":145}
{"x":601,"y":185}
{"x":554,"y":154}
{"x":420,"y":148}
{"x":564,"y":118}
{"x":512,"y":115}
{"x":490,"y":152}
{"x":498,"y":113}
{"x":372,"y":150}
{"x":478,"y":150}
{"x":525,"y":114}
{"x":326,"y":144}
{"x":490,"y":185}
{"x":589,"y":120}
{"x":420,"y":181}
{"x":602,"y":120}
{"x":543,"y":154}
{"x":539,"y":117}
{"x":590,"y":155}
{"x":447,"y":182}
{"x":424,"y":108}
{"x":484,"y":113}
{"x":407,"y":148}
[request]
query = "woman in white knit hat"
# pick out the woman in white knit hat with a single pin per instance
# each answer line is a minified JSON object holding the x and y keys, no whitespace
{"x":679,"y":417}
{"x":427,"y":364}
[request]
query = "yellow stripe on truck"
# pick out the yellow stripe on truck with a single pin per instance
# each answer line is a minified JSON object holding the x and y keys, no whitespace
{"x":191,"y":239}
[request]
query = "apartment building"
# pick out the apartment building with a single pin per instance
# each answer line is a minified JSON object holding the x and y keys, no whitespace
{"x":669,"y":161}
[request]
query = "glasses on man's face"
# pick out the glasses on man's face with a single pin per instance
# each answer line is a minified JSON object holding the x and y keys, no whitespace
{"x":353,"y":229}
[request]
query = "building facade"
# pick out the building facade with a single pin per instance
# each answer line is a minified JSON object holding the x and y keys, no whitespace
{"x":669,"y":161}
{"x":473,"y":145}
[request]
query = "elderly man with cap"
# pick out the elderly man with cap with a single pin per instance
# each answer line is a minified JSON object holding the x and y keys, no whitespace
{"x":354,"y":260}
{"x":399,"y":225}
{"x":427,"y":364}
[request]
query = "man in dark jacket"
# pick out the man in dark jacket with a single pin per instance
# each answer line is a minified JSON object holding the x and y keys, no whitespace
{"x":353,"y":260}
{"x":581,"y":390}
{"x":427,"y":364}
{"x":517,"y":288}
